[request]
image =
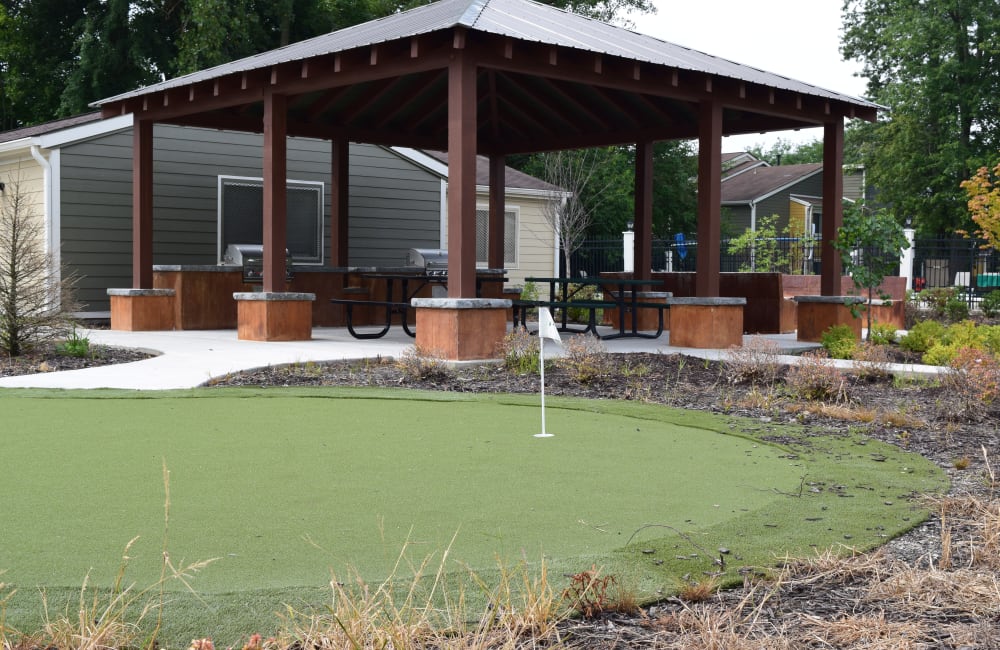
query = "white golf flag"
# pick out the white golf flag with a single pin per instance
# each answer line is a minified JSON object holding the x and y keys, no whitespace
{"x":546,"y":326}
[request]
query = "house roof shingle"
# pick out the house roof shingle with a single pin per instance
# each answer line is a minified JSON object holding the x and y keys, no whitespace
{"x":49,"y":127}
{"x":514,"y":179}
{"x":763,"y":181}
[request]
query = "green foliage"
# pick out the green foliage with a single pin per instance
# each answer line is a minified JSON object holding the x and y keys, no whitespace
{"x":869,"y":242}
{"x":956,"y":337}
{"x":760,"y":245}
{"x":990,"y":304}
{"x":935,"y":64}
{"x":785,"y":152}
{"x":882,"y":334}
{"x":520,"y":352}
{"x":937,"y":299}
{"x":75,"y":345}
{"x":839,"y":341}
{"x":956,"y":309}
{"x":922,"y":336}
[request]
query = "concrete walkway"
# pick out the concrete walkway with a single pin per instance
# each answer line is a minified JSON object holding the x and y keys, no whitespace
{"x":187,"y":359}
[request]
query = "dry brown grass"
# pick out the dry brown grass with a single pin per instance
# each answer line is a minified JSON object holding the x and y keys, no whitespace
{"x":869,"y":631}
{"x":849,"y":413}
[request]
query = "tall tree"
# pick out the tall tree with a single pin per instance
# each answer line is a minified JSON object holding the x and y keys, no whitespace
{"x":935,"y":64}
{"x":37,"y":41}
{"x":109,"y":59}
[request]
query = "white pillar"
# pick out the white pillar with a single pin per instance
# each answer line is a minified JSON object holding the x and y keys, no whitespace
{"x":628,"y":250}
{"x":906,"y":258}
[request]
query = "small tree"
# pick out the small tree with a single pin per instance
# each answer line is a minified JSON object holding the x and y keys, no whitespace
{"x":34,"y":299}
{"x":574,"y":173}
{"x":869,"y":243}
{"x":760,"y":245}
{"x":984,"y":205}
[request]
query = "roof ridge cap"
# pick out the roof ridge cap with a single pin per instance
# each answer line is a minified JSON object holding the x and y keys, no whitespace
{"x":472,"y":12}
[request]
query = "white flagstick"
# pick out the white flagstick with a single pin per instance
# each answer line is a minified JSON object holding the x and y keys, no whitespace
{"x":546,"y":329}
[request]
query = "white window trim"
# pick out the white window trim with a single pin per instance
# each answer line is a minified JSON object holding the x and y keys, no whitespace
{"x":516,"y":209}
{"x":259,"y":179}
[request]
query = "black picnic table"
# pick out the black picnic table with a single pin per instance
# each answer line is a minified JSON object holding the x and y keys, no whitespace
{"x":620,"y":294}
{"x":410,"y":285}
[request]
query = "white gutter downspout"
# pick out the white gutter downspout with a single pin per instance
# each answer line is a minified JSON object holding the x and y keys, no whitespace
{"x":51,"y":234}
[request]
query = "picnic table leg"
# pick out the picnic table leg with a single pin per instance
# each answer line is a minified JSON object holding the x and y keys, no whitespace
{"x":349,"y":312}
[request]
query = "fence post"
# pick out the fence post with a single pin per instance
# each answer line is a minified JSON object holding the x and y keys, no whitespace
{"x":906,"y":258}
{"x":628,"y":250}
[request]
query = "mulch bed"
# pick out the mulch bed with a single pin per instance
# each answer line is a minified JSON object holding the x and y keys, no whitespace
{"x":46,"y":358}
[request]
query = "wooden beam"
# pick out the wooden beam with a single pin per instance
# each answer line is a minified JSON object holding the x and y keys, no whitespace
{"x":498,"y":191}
{"x":833,"y":207}
{"x":462,"y":177}
{"x":142,"y":205}
{"x":706,"y":282}
{"x":339,"y":191}
{"x":643,"y":211}
{"x":275,"y":191}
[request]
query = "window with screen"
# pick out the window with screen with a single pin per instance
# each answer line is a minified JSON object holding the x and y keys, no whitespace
{"x":509,"y":237}
{"x":241,"y":216}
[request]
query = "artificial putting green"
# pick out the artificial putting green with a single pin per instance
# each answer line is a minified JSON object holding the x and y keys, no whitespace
{"x":286,"y":486}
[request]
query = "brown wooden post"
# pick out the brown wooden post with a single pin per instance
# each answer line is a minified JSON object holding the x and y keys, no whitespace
{"x":275,"y":191}
{"x":142,"y":204}
{"x":461,"y":177}
{"x":706,"y":281}
{"x":643,"y":211}
{"x":339,"y":192}
{"x":833,"y":207}
{"x":498,"y":206}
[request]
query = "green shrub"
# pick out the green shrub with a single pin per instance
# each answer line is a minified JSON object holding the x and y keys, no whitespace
{"x":74,"y":346}
{"x":839,"y":341}
{"x":956,"y":309}
{"x":991,"y":338}
{"x":586,"y":293}
{"x":991,"y":304}
{"x":940,"y":354}
{"x":520,"y":352}
{"x":922,"y":336}
{"x":881,"y":334}
{"x":937,"y":298}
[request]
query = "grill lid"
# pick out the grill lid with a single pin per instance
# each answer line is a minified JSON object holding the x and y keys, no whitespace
{"x":428,"y":258}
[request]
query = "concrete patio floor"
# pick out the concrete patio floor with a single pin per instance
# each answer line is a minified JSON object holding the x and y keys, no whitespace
{"x":187,"y":359}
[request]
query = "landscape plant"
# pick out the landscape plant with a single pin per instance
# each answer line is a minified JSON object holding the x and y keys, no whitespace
{"x":922,"y":336}
{"x":869,"y":243}
{"x":520,"y":351}
{"x":838,"y":341}
{"x":984,"y":205}
{"x":36,"y":299}
{"x":816,"y":378}
{"x":882,"y":334}
{"x":760,"y":247}
{"x":990,"y":304}
{"x":755,"y":362}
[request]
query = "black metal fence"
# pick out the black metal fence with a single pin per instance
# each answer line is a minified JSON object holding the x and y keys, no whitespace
{"x":948,"y":262}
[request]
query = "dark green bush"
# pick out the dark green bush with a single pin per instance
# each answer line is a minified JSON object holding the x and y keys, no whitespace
{"x":991,"y":304}
{"x":956,"y":310}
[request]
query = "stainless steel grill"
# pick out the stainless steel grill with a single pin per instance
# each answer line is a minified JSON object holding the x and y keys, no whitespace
{"x":434,"y":261}
{"x":251,"y":258}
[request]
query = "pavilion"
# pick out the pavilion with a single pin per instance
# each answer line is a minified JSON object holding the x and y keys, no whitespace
{"x":490,"y":77}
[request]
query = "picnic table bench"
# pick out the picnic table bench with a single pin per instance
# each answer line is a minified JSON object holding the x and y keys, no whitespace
{"x":624,"y":298}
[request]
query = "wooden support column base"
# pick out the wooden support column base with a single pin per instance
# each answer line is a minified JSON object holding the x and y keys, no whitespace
{"x":461,"y":329}
{"x":270,"y":316}
{"x":706,"y":323}
{"x":816,"y":314}
{"x":142,"y":310}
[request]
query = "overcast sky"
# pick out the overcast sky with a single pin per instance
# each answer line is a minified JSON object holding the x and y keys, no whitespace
{"x":795,"y":38}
